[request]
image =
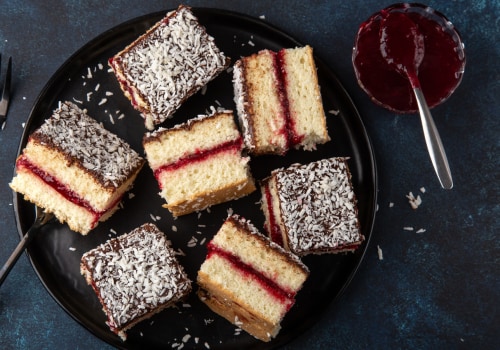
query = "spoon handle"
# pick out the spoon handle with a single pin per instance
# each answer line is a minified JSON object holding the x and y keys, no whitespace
{"x":433,"y":142}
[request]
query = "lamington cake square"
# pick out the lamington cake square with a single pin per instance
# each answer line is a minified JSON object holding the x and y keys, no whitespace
{"x":199,"y":163}
{"x":249,"y":280}
{"x":76,"y":169}
{"x":312,"y":208}
{"x":278,"y":101}
{"x":170,"y":62}
{"x":135,"y":276}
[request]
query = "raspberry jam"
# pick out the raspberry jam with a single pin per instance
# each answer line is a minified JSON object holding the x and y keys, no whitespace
{"x":441,"y":67}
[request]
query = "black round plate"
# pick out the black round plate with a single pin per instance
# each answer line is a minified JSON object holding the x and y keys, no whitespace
{"x":56,"y":251}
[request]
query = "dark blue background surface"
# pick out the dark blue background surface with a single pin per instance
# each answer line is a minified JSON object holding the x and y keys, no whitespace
{"x":434,"y":289}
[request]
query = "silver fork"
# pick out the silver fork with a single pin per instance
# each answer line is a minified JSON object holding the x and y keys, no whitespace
{"x":4,"y":102}
{"x":41,"y":218}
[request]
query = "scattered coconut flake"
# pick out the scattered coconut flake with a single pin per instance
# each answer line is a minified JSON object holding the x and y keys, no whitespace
{"x":186,"y":338}
{"x":152,"y":217}
{"x":422,"y":189}
{"x":121,"y":116}
{"x":89,"y":73}
{"x":196,"y":340}
{"x":112,"y":231}
{"x":202,"y":242}
{"x":202,"y":225}
{"x":174,"y":228}
{"x":251,"y":43}
{"x":77,"y":101}
{"x":22,"y":124}
{"x":186,"y":305}
{"x":109,"y":93}
{"x":421,"y":230}
{"x":334,"y":111}
{"x":111,"y":119}
{"x":391,"y":204}
{"x":103,"y":101}
{"x":89,"y":95}
{"x":262,"y":16}
{"x":380,"y":253}
{"x":100,"y":66}
{"x":131,"y":195}
{"x":179,"y":252}
{"x":192,"y":242}
{"x":206,"y":345}
{"x":208,"y":320}
{"x":408,"y":228}
{"x":72,"y":249}
{"x":414,"y":201}
{"x":97,"y":87}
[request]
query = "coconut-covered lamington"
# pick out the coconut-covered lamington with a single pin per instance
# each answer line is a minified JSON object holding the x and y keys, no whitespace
{"x":278,"y":101}
{"x":135,"y":276}
{"x":249,"y":280}
{"x":311,"y":208}
{"x":166,"y":65}
{"x":76,"y":169}
{"x":199,"y":163}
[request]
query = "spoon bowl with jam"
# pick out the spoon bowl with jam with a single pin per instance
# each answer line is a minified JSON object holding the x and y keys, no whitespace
{"x":439,"y":72}
{"x":408,"y":57}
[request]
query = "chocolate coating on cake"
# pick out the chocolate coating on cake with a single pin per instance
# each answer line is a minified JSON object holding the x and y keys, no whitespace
{"x":318,"y":206}
{"x":169,"y":63}
{"x":83,"y":141}
{"x":135,"y":274}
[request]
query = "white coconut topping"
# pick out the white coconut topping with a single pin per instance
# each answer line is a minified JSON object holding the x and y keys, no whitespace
{"x":318,"y":206}
{"x":135,"y":274}
{"x":110,"y":159}
{"x":169,"y":63}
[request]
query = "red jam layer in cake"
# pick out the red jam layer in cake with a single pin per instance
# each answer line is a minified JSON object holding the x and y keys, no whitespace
{"x":274,"y":230}
{"x":285,"y":297}
{"x":201,"y":155}
{"x":289,"y":129}
{"x":115,"y":63}
{"x":62,"y":189}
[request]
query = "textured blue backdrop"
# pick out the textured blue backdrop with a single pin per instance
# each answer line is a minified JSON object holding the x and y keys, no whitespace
{"x":433,"y":289}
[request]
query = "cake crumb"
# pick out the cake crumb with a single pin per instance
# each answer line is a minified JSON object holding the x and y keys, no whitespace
{"x":380,"y":253}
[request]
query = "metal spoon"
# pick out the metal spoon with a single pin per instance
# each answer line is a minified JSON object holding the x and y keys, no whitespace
{"x":41,"y":218}
{"x":402,"y":46}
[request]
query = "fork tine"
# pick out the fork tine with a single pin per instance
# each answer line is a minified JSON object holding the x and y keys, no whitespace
{"x":4,"y":102}
{"x":6,"y":84}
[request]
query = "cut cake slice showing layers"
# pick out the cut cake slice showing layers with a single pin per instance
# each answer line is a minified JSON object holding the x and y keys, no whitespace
{"x":312,"y":208}
{"x":199,"y":163}
{"x":166,"y":65}
{"x":76,"y":169}
{"x":278,"y":101}
{"x":249,"y":280}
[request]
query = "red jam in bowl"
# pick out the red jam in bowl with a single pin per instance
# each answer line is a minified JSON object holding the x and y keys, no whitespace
{"x":440,"y":70}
